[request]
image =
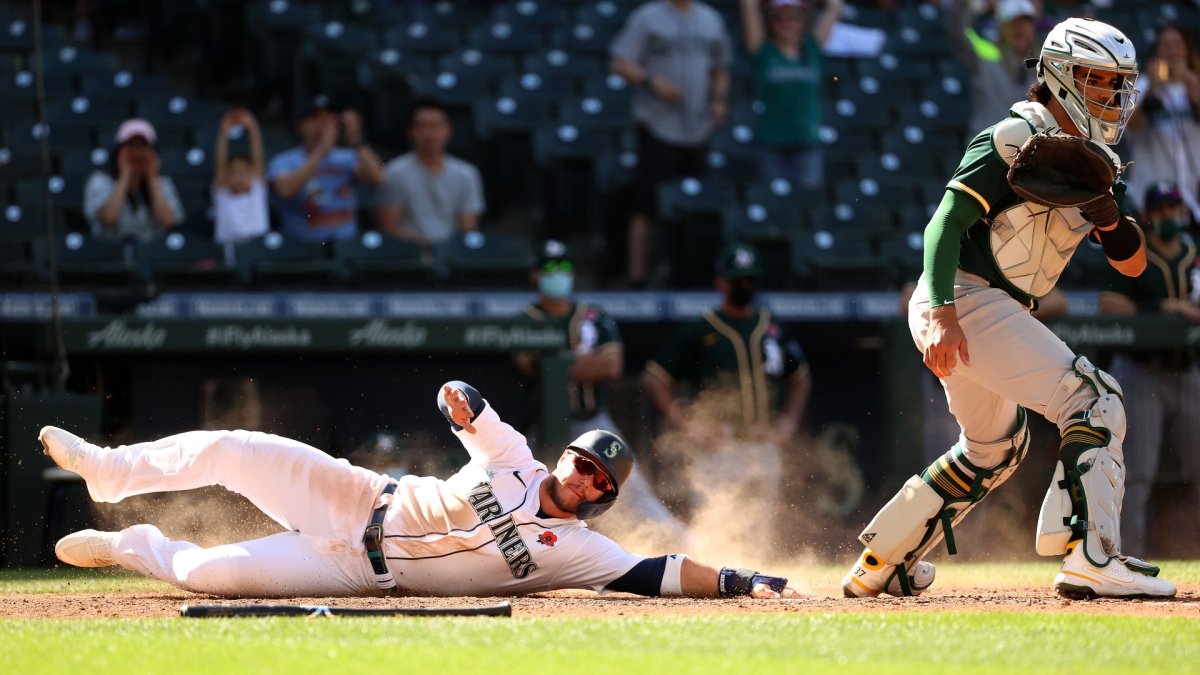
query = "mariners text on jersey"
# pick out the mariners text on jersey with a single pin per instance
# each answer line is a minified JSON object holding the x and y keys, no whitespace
{"x":508,"y":538}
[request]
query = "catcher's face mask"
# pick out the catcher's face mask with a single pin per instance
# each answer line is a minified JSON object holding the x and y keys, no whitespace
{"x":1091,"y":69}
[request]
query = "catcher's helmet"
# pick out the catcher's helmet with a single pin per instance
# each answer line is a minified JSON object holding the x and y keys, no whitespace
{"x":1087,"y":43}
{"x":614,"y":458}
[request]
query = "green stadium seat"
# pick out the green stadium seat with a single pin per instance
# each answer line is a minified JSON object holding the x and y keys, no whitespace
{"x":180,"y":259}
{"x":583,"y":39}
{"x":548,"y":89}
{"x":379,"y":261}
{"x":475,"y":260}
{"x":500,"y":37}
{"x":835,"y":262}
{"x":85,"y":261}
{"x":531,"y":14}
{"x":277,"y":261}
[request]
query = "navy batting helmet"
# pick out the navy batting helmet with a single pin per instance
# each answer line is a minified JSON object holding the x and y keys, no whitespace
{"x":614,"y":458}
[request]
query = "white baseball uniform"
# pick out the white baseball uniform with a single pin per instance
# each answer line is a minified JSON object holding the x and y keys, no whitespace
{"x":481,"y":532}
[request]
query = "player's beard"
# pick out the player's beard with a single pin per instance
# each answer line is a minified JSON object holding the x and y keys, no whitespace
{"x":557,"y":491}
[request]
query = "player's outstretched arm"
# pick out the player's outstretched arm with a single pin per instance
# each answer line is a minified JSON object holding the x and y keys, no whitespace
{"x":698,"y":580}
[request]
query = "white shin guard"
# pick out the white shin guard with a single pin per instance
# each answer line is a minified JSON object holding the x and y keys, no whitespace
{"x":1085,"y":495}
{"x":928,"y":506}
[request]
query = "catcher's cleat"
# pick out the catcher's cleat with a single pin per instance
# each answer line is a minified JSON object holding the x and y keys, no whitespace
{"x":1121,"y":577}
{"x":87,"y":548}
{"x":870,"y":576}
{"x":65,"y":448}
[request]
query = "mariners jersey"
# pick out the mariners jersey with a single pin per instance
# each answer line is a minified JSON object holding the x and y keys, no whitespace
{"x":589,"y":331}
{"x":752,"y":354}
{"x":1016,"y":245}
{"x":481,"y":532}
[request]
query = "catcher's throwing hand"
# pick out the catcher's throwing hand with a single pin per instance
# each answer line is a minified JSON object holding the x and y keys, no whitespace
{"x":1062,"y":171}
{"x":460,"y":408}
{"x":945,"y":341}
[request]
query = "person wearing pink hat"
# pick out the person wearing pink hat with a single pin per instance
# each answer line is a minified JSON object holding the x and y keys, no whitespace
{"x":131,"y":199}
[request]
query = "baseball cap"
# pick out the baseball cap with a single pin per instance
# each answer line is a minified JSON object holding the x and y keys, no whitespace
{"x":1162,"y":193}
{"x":738,"y":261}
{"x":776,"y":4}
{"x":316,"y":104}
{"x":132,"y":128}
{"x":1008,"y":10}
{"x":553,"y":253}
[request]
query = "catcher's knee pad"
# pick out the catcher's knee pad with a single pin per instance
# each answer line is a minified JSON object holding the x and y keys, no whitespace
{"x":1084,"y":498}
{"x":1078,"y":388}
{"x":929,"y":505}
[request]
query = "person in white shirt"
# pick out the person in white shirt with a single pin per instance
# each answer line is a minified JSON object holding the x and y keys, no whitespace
{"x":239,"y":187}
{"x":504,"y":524}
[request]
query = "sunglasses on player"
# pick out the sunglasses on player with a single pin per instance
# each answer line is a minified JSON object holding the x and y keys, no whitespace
{"x":587,"y":467}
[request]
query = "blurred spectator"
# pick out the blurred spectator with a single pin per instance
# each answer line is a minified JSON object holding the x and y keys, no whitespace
{"x":316,"y":181}
{"x":676,"y":55}
{"x":599,"y":358}
{"x":427,"y":195}
{"x":786,"y":51}
{"x":998,"y":72}
{"x":239,"y":185}
{"x":1161,"y":387}
{"x":740,"y":362}
{"x":1165,"y":135}
{"x":131,"y":199}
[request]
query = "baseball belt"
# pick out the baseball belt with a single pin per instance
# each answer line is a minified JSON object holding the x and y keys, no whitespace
{"x":373,"y":541}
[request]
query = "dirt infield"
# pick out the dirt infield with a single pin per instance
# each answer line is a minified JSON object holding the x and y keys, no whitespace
{"x":571,"y":604}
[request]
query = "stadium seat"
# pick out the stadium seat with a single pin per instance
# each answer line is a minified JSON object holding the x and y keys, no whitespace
{"x":771,"y":230}
{"x":610,"y":113}
{"x":562,"y":62}
{"x":565,"y":156}
{"x":85,"y":261}
{"x":519,"y":113}
{"x":607,"y":13}
{"x":179,"y":259}
{"x":73,"y":60}
{"x":691,"y":227}
{"x":531,"y":15}
{"x":275,"y":260}
{"x":473,"y":60}
{"x":837,"y":262}
{"x":20,"y":262}
{"x":548,"y":89}
{"x":611,"y":90}
{"x":902,"y":257}
{"x":450,"y":15}
{"x":463,"y":87}
{"x":779,"y":195}
{"x":376,"y":260}
{"x":500,"y":37}
{"x":418,"y":36}
{"x":583,"y":39}
{"x":491,"y":261}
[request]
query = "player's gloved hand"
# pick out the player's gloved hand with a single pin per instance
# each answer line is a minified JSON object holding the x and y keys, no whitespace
{"x":1062,"y":170}
{"x":460,"y":408}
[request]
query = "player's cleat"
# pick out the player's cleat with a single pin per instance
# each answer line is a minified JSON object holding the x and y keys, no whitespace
{"x":1122,"y":577}
{"x":65,"y":448}
{"x":87,"y":548}
{"x":870,"y":576}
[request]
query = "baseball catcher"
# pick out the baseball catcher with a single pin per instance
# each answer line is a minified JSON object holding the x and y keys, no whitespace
{"x":1026,"y":193}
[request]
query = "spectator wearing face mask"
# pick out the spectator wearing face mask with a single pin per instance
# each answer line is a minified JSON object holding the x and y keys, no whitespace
{"x":1160,"y":387}
{"x":599,"y":359}
{"x":751,"y":384}
{"x":131,"y":199}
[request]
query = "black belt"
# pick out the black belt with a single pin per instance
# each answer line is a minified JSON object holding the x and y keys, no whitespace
{"x":373,"y":541}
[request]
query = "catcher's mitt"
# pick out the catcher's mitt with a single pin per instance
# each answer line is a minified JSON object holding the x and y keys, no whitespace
{"x":1061,"y":170}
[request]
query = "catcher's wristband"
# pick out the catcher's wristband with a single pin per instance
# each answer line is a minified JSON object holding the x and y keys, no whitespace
{"x":741,"y":581}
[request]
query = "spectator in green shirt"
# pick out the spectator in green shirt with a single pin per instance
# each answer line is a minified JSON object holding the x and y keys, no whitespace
{"x":786,"y":50}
